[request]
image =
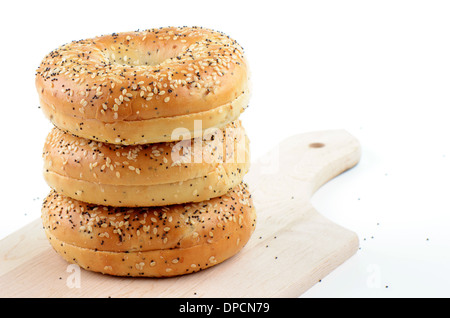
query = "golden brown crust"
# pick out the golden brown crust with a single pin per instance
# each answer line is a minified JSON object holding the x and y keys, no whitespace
{"x":150,"y":130}
{"x":139,"y":76}
{"x":161,"y":241}
{"x":158,"y":263}
{"x":150,"y":174}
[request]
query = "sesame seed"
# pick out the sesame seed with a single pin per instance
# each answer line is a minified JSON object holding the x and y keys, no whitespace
{"x":212,"y":259}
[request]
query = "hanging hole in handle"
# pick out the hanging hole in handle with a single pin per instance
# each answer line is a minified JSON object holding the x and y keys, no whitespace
{"x":316,"y":145}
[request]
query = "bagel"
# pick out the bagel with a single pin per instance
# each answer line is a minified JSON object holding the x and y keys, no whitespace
{"x":149,"y":241}
{"x":146,"y":175}
{"x":138,"y":87}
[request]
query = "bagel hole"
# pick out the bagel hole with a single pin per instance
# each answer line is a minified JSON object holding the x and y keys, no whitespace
{"x":141,"y":56}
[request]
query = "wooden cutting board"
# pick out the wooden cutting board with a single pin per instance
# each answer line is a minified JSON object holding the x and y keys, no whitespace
{"x":292,"y":248}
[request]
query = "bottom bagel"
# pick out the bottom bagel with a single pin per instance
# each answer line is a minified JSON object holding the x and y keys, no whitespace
{"x":149,"y":241}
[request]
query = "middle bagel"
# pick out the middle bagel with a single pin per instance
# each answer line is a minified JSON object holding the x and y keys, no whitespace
{"x":190,"y":170}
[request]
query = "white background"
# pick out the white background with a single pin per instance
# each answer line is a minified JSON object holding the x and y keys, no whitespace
{"x":379,"y":69}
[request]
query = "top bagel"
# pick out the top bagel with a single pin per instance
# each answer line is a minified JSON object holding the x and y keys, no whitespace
{"x":139,"y":87}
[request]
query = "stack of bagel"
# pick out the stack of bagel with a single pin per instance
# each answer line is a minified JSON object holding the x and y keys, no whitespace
{"x":147,"y":155}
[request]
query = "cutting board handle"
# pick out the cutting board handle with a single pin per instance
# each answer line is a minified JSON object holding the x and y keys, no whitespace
{"x":311,"y":159}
